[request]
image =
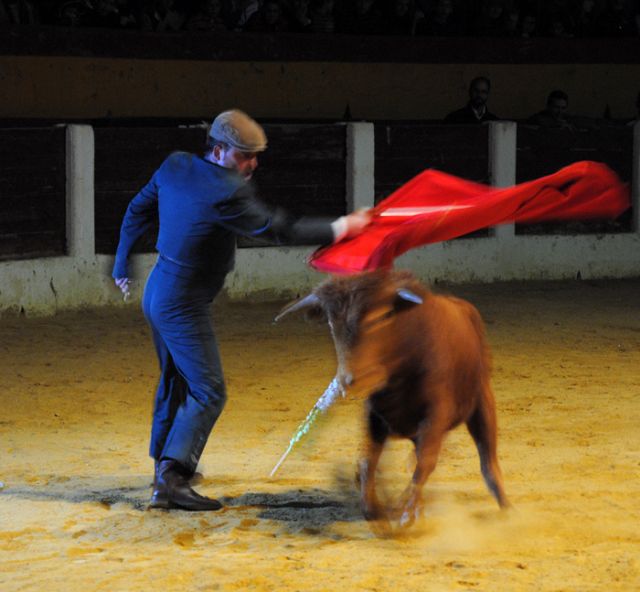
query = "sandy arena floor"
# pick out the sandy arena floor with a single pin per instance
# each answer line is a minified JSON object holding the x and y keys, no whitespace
{"x":76,"y":404}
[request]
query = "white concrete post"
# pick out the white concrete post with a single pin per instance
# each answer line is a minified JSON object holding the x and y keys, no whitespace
{"x":502,"y":164}
{"x":635,"y":178}
{"x":360,"y":166}
{"x":80,"y":192}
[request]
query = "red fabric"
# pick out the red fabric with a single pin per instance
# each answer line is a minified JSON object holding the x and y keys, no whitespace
{"x":435,"y":207}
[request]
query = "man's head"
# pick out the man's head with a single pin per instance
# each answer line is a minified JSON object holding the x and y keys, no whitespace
{"x":479,"y":91}
{"x":272,"y":12}
{"x":557,"y":104}
{"x":234,"y":142}
{"x":443,"y":9}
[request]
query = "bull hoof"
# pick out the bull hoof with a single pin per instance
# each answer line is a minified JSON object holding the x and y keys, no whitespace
{"x":374,"y":513}
{"x":408,"y":516}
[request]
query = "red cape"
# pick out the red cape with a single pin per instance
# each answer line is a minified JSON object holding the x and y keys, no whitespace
{"x":435,"y":207}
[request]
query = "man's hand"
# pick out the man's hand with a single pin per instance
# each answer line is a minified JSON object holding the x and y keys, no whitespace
{"x":351,"y":225}
{"x":123,"y":284}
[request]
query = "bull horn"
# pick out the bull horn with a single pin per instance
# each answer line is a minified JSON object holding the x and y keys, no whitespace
{"x":409,"y":296}
{"x":307,"y":301}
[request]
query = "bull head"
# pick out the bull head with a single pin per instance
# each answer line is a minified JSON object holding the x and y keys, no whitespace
{"x":359,"y":309}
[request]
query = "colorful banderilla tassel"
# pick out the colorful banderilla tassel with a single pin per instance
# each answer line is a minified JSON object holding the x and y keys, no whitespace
{"x":322,"y":404}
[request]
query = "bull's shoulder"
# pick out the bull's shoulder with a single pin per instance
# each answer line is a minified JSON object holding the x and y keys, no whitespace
{"x":458,"y":307}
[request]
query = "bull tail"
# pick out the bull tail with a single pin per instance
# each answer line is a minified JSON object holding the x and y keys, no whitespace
{"x":482,"y":426}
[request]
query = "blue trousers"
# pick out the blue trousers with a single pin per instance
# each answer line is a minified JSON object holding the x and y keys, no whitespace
{"x":191,"y":392}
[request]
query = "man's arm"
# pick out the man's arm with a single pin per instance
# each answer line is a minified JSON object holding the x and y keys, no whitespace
{"x":139,"y":217}
{"x":245,"y":214}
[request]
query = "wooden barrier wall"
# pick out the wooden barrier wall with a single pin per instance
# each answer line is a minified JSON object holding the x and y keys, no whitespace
{"x":303,"y":170}
{"x":32,"y":193}
{"x":541,"y":152}
{"x":404,"y":150}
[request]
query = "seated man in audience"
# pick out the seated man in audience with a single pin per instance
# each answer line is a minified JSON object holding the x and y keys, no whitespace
{"x":441,"y":21}
{"x":268,"y":19}
{"x":554,"y":115}
{"x":476,"y":110}
{"x":322,"y":19}
{"x":102,"y":14}
{"x":21,"y":12}
{"x":208,"y":17}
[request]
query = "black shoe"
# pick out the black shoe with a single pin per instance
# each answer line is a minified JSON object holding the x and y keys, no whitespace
{"x":171,"y":490}
{"x":194,"y":478}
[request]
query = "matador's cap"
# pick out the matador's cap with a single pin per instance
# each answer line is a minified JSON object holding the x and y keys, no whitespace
{"x":239,"y":130}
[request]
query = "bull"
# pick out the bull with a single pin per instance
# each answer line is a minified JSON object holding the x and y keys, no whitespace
{"x":423,"y":361}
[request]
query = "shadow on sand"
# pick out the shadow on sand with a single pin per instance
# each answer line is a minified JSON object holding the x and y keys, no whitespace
{"x":298,"y":509}
{"x":308,"y":510}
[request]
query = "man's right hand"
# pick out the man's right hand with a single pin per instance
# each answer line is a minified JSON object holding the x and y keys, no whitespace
{"x":351,"y":225}
{"x":357,"y":221}
{"x":123,"y":284}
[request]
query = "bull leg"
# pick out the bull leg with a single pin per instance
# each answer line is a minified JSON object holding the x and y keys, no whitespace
{"x":482,"y":426}
{"x":428,"y":443}
{"x":378,"y":433}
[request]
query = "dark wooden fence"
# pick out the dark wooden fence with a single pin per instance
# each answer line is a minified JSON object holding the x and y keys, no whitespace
{"x":544,"y":151}
{"x":405,"y":149}
{"x":32,"y":193}
{"x":125,"y":160}
{"x":303,"y":171}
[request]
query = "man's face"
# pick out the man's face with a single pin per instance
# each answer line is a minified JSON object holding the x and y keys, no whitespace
{"x":444,"y":8}
{"x":232,"y":158}
{"x":557,"y":108}
{"x":479,"y":93}
{"x":528,"y":24}
{"x":272,"y":12}
{"x":213,"y":7}
{"x":401,"y":7}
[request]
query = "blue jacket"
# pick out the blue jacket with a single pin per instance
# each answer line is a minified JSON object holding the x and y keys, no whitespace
{"x":201,"y":207}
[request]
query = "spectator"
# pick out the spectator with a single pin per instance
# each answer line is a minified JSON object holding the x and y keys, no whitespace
{"x":128,"y":14}
{"x":512,"y":23}
{"x":475,"y":110}
{"x":441,"y":22}
{"x":4,"y":15}
{"x":163,"y":16}
{"x":21,"y":12}
{"x":491,"y":22}
{"x":269,"y":19}
{"x":207,"y":18}
{"x":104,"y":14}
{"x":363,"y":18}
{"x":242,"y":11}
{"x":554,"y":115}
{"x":586,"y":19}
{"x":298,"y":13}
{"x":557,"y":18}
{"x":617,"y":21}
{"x":559,"y":27}
{"x":401,"y":17}
{"x":72,"y":13}
{"x":322,"y":19}
{"x":529,"y":26}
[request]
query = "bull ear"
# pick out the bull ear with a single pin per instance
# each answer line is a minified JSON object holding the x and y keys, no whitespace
{"x":307,"y":301}
{"x":406,"y":299}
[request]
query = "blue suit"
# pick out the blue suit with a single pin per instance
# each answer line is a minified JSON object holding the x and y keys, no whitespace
{"x":201,"y":207}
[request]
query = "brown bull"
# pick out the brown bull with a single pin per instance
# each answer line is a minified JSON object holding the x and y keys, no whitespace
{"x":424,"y":363}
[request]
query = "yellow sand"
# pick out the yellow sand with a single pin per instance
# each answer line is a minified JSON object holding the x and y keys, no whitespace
{"x":76,"y":402}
